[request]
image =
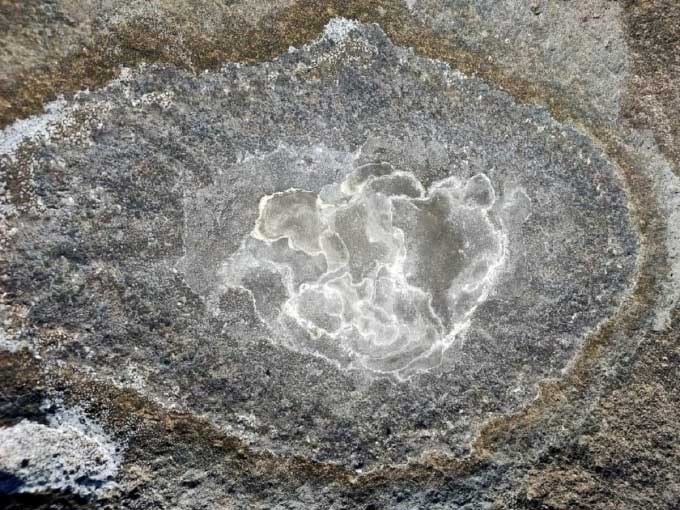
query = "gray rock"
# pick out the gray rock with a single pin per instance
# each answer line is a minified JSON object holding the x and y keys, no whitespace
{"x":445,"y":313}
{"x":292,"y":270}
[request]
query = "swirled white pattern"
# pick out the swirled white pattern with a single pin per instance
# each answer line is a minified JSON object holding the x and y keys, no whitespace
{"x":375,"y":272}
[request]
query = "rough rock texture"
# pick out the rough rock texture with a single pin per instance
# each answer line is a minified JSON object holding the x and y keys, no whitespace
{"x":68,"y":454}
{"x":342,"y":254}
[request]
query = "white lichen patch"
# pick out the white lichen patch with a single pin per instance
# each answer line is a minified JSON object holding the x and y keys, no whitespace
{"x":374,"y":272}
{"x":347,"y":44}
{"x":410,"y":4}
{"x":35,"y":127}
{"x":337,"y":29}
{"x":71,"y":453}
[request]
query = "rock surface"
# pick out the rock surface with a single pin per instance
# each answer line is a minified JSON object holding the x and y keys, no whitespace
{"x":371,"y":254}
{"x":68,"y":454}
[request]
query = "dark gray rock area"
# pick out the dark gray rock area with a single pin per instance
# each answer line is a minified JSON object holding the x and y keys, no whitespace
{"x":351,"y":274}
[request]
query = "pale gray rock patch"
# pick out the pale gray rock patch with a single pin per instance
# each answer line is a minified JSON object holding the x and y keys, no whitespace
{"x":667,"y":189}
{"x":33,"y":128}
{"x":576,"y":48}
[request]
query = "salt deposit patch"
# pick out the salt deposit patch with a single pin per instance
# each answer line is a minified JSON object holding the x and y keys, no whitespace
{"x":374,"y":272}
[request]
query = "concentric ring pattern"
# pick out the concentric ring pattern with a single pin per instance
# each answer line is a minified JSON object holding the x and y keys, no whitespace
{"x":279,"y":248}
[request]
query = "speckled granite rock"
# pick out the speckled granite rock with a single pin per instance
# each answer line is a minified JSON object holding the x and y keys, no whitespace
{"x":368,"y":254}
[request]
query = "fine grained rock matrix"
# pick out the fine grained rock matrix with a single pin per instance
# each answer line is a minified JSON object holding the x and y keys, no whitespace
{"x":338,"y":255}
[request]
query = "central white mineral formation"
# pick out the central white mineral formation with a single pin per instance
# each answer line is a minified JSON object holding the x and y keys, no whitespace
{"x":375,"y":272}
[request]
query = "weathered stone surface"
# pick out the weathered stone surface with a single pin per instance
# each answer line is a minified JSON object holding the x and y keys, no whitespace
{"x":575,"y":48}
{"x":427,"y":259}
